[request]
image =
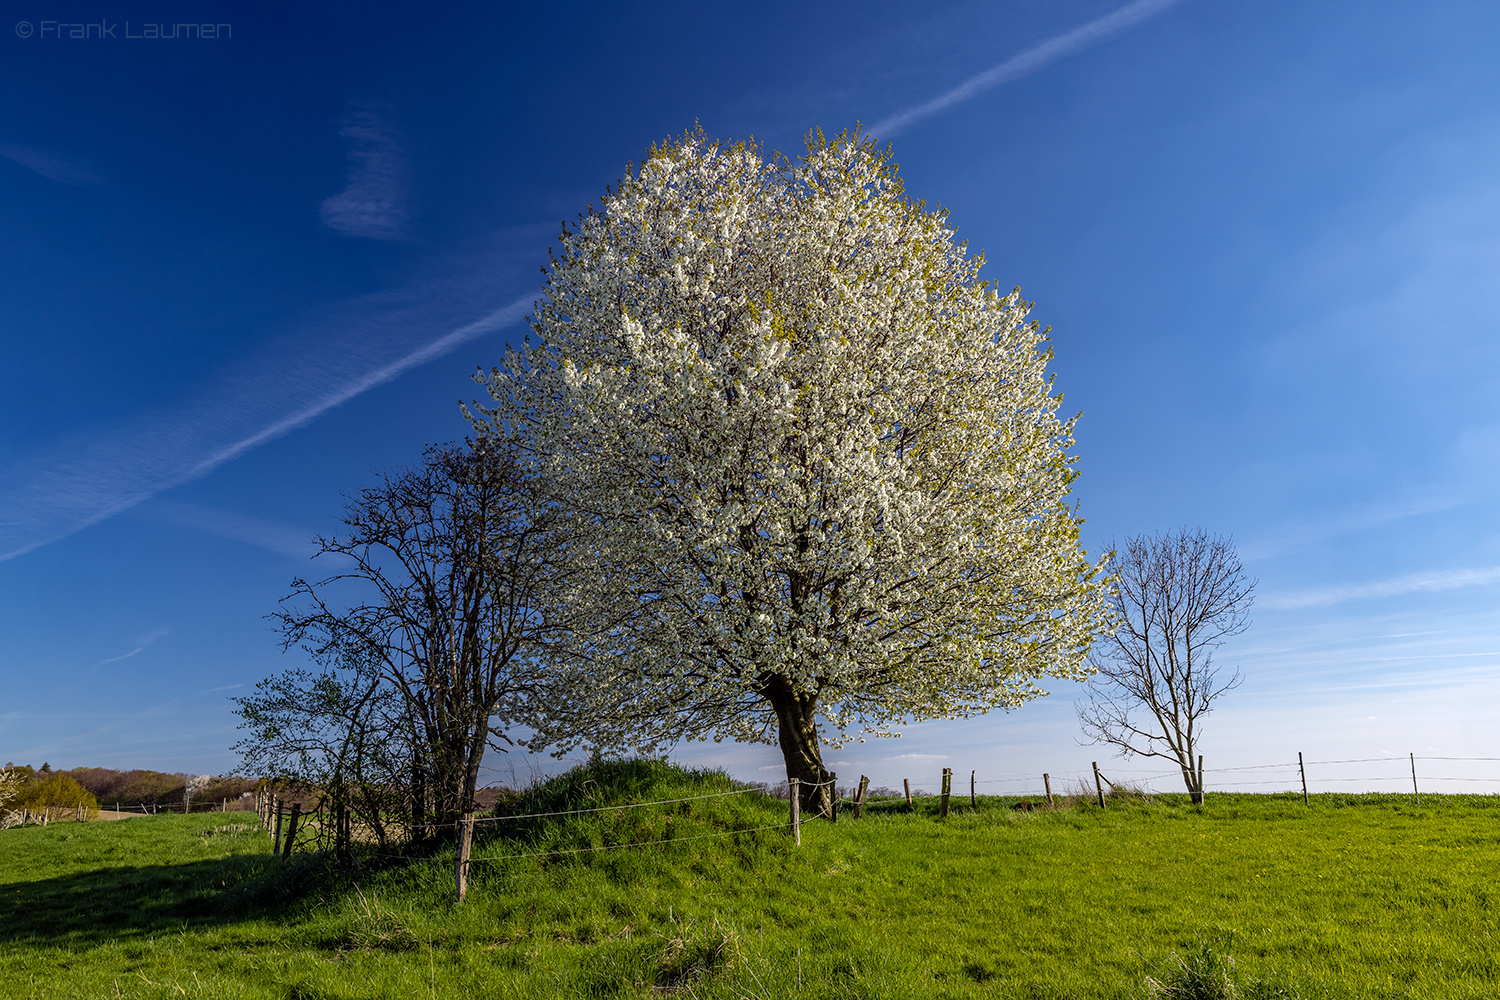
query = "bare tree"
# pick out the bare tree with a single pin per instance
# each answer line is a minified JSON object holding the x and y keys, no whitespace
{"x":448,"y":561}
{"x":1176,"y":598}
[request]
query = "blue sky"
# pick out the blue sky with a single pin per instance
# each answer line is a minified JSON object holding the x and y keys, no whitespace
{"x":240,"y":274}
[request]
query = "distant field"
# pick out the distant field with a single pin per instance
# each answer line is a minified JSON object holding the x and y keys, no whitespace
{"x":1355,"y":896}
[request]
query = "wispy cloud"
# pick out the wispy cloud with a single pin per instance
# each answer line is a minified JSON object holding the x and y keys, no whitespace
{"x":1411,"y":583}
{"x":52,"y":166}
{"x":140,"y":645}
{"x":97,"y":475}
{"x":373,"y":203}
{"x":272,"y":536}
{"x":1291,"y":538}
{"x":1025,"y":63}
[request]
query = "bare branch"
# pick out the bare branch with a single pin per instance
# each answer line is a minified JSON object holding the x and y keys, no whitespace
{"x":1177,"y":597}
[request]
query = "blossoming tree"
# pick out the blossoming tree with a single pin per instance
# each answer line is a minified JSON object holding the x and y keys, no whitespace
{"x":810,"y":464}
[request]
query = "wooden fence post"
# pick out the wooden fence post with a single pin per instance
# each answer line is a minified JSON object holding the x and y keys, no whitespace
{"x":1099,"y":785}
{"x":859,"y":797}
{"x":418,"y":800}
{"x":973,"y":790}
{"x":461,"y":868}
{"x":907,"y":783}
{"x":1414,"y":790}
{"x":1202,"y":792}
{"x":833,"y":800}
{"x":1047,"y":784}
{"x":1303,"y":769}
{"x":291,"y":831}
{"x":947,"y":789}
{"x":341,"y":828}
{"x":796,"y":800}
{"x":276,"y":837}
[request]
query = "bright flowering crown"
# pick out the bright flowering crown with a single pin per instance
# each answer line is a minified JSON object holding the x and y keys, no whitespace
{"x":797,"y":436}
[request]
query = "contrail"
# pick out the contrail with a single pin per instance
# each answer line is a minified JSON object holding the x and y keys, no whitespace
{"x":496,"y":320}
{"x":1035,"y":58}
{"x":49,"y":499}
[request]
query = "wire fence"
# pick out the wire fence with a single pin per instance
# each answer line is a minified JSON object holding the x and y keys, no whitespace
{"x":1407,"y":773}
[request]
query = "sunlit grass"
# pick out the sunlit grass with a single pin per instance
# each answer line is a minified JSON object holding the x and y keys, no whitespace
{"x":1354,"y":896}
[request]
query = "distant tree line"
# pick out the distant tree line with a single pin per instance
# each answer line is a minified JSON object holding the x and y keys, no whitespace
{"x":44,"y":795}
{"x":162,"y":789}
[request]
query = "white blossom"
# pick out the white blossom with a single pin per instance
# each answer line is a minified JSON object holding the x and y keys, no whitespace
{"x":798,"y":442}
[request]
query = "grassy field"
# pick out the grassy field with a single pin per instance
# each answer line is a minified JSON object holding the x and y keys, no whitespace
{"x":1354,"y":896}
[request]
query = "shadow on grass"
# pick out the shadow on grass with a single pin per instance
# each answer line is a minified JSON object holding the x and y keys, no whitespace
{"x":112,"y":904}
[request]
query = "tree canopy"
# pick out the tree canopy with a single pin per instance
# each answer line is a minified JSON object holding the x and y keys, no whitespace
{"x":808,"y":462}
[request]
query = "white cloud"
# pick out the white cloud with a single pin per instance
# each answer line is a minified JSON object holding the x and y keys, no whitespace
{"x":272,"y":536}
{"x":52,"y":166}
{"x":373,"y":202}
{"x":1291,"y":538}
{"x":1024,"y":64}
{"x":1411,"y":583}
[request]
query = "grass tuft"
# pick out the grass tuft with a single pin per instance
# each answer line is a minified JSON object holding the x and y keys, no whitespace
{"x":1210,"y":973}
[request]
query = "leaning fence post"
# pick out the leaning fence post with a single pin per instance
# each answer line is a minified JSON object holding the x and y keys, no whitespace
{"x":947,"y":789}
{"x":833,"y":786}
{"x":859,"y":797}
{"x":1303,"y":769}
{"x":276,"y":837}
{"x":973,"y":792}
{"x":1201,"y":792}
{"x":1047,"y":784}
{"x":461,"y":867}
{"x":291,"y":831}
{"x":907,"y":783}
{"x":1414,"y":779}
{"x":1099,"y":785}
{"x":796,"y":800}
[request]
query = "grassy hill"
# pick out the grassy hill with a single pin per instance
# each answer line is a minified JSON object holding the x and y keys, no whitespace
{"x":1354,"y":896}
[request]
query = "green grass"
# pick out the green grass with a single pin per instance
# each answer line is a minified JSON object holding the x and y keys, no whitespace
{"x":1355,"y":896}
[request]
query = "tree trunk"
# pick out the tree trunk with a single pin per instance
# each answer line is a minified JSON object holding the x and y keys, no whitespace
{"x":1194,"y":781}
{"x":797,"y":723}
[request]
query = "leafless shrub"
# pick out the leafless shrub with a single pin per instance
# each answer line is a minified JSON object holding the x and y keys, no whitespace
{"x":1176,"y":598}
